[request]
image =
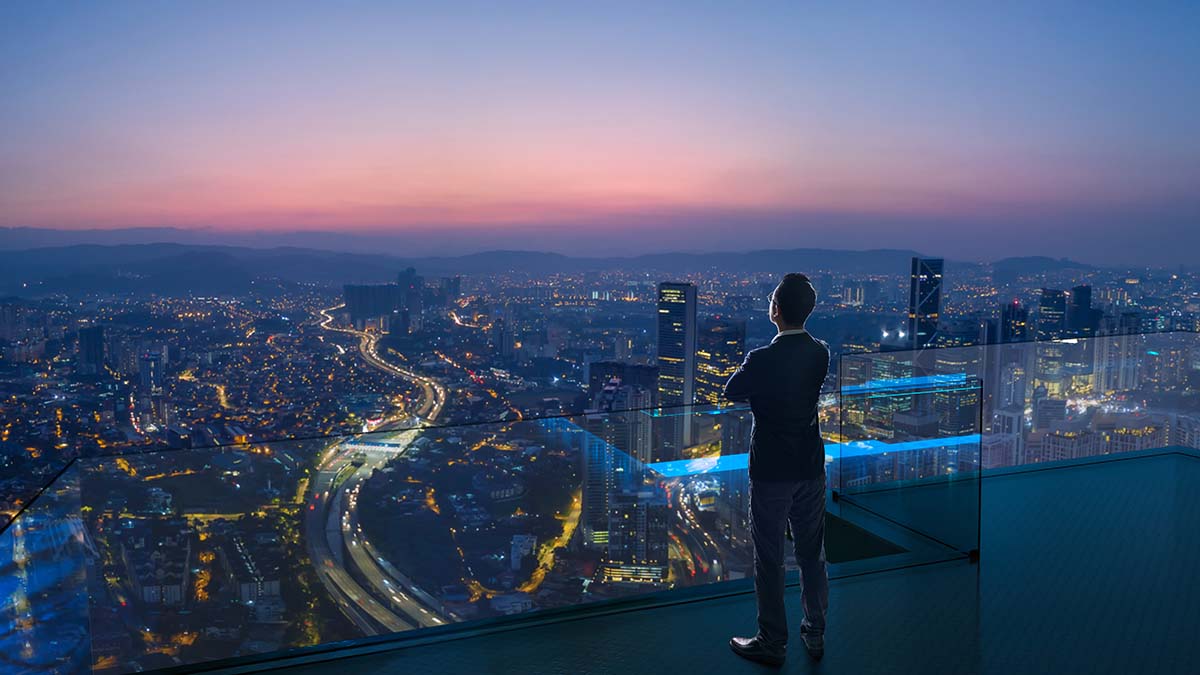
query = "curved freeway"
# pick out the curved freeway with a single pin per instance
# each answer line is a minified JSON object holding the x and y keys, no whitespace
{"x":433,"y":392}
{"x":390,"y":603}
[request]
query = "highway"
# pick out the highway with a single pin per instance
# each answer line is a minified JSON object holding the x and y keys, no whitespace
{"x":389,"y":602}
{"x":692,"y":538}
{"x":356,"y":602}
{"x":433,"y":397}
{"x":400,"y":594}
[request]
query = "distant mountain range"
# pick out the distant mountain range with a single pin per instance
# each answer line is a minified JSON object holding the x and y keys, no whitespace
{"x":31,"y":262}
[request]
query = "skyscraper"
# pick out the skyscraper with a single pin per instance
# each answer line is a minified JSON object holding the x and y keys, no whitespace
{"x":677,"y":359}
{"x":638,"y":537}
{"x":1014,"y":322}
{"x":720,"y":347}
{"x":617,"y":446}
{"x":924,"y":301}
{"x":1082,"y":319}
{"x":150,"y":372}
{"x":91,"y":349}
{"x":1052,"y":314}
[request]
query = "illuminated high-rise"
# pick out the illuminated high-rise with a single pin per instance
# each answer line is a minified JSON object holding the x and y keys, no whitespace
{"x":616,"y":448}
{"x":924,"y":301}
{"x":720,"y":347}
{"x":676,"y":360}
{"x":638,"y":537}
{"x":1014,"y":322}
{"x":1052,"y":314}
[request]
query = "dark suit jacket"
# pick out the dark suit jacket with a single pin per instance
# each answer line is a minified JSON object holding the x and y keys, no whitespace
{"x":782,"y":382}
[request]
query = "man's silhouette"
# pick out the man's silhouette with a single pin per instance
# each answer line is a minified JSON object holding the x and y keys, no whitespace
{"x":782,"y":382}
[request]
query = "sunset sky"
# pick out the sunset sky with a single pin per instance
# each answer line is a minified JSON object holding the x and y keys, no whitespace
{"x":975,"y":128}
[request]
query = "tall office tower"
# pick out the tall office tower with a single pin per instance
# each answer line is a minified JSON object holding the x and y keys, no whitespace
{"x":91,"y":349}
{"x":1118,"y":360}
{"x":677,"y":361}
{"x":1052,"y":314}
{"x":957,"y":410}
{"x":638,"y":538}
{"x":1014,"y":322}
{"x":1082,"y":319}
{"x":720,"y":348}
{"x":877,"y":412}
{"x":924,"y":301}
{"x":150,"y":373}
{"x":625,"y":424}
{"x":616,"y":448}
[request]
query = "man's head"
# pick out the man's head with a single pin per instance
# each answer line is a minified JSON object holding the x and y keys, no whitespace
{"x":792,"y":302}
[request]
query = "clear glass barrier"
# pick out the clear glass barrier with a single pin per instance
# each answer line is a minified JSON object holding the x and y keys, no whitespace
{"x":1065,"y":400}
{"x":198,"y":555}
{"x":46,"y":569}
{"x":907,"y":462}
{"x":174,"y":557}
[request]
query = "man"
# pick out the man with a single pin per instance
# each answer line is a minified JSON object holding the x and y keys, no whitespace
{"x":782,"y":382}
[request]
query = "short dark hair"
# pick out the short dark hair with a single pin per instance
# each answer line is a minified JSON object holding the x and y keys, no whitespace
{"x":796,"y":298}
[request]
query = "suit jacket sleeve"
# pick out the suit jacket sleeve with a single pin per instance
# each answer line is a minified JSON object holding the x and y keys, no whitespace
{"x":742,"y":384}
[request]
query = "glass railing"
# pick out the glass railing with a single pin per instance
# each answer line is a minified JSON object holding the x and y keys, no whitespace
{"x":907,"y":466}
{"x":170,"y":557}
{"x":1065,"y":400}
{"x":181,"y":557}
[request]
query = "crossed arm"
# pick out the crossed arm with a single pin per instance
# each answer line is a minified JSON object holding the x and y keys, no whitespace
{"x":742,"y":384}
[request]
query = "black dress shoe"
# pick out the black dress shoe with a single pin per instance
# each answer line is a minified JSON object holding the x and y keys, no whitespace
{"x":814,"y":643}
{"x":754,"y":649}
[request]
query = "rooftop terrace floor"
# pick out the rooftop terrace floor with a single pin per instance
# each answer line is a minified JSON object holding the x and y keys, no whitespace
{"x":1086,"y":568}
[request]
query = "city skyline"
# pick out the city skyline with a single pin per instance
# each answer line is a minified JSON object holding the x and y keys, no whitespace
{"x":303,"y":463}
{"x":332,"y":330}
{"x":589,"y":129}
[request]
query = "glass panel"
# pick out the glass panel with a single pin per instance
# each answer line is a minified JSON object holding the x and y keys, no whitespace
{"x":175,"y":557}
{"x":247,"y":549}
{"x":46,"y":556}
{"x":907,"y":464}
{"x":1066,"y":400}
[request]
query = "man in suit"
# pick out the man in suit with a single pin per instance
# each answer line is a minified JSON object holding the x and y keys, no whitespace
{"x":782,"y":382}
